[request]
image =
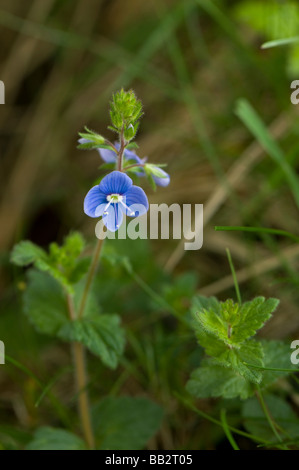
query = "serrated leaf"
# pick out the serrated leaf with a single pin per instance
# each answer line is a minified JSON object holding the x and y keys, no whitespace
{"x":212,"y":380}
{"x":250,"y":352}
{"x":252,"y":317}
{"x":256,"y":423}
{"x":126,"y":423}
{"x":48,"y":438}
{"x":102,"y":335}
{"x":231,"y":323}
{"x":26,"y":252}
{"x":44,"y":303}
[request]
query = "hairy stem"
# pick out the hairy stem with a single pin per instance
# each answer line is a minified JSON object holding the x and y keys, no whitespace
{"x":81,"y":382}
{"x":121,"y":151}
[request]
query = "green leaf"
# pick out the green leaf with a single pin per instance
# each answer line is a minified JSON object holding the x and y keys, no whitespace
{"x":48,"y":438}
{"x":276,"y":355}
{"x":26,"y":252}
{"x":270,"y":18}
{"x":102,"y":335}
{"x":280,"y":42}
{"x":249,"y":352}
{"x":154,"y":170}
{"x":228,"y":322}
{"x":44,"y":303}
{"x":126,"y":423}
{"x":256,"y":423}
{"x":252,"y":316}
{"x":212,"y":380}
{"x":132,"y":146}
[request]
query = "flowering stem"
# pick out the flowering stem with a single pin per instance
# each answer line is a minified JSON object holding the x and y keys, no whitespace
{"x":121,"y":151}
{"x":111,"y":145}
{"x":90,"y":277}
{"x":81,"y":382}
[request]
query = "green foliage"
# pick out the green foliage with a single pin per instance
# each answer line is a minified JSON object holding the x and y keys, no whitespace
{"x":125,"y":423}
{"x":26,"y":252}
{"x":255,"y":124}
{"x":63,"y":263}
{"x":102,"y":335}
{"x":225,"y":330}
{"x":45,"y":303}
{"x":213,"y":380}
{"x":276,"y":356}
{"x":93,"y":140}
{"x":48,"y":438}
{"x":46,"y":307}
{"x":275,"y":20}
{"x":286,"y":421}
{"x":125,"y":113}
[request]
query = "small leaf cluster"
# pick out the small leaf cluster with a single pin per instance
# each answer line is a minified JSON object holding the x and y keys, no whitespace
{"x":57,"y":277}
{"x":64,"y":263}
{"x":125,"y":113}
{"x":235,"y":358}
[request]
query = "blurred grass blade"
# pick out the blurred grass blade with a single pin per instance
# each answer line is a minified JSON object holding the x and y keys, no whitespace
{"x":280,"y":42}
{"x":227,"y":430}
{"x":254,"y":123}
{"x":23,"y":369}
{"x":271,"y":231}
{"x":231,"y":264}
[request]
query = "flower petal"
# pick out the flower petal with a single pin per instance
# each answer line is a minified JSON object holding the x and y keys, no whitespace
{"x":115,"y":183}
{"x":136,"y":198}
{"x":109,"y":156}
{"x":93,"y":199}
{"x":162,"y":181}
{"x":129,"y":155}
{"x":114,"y":218}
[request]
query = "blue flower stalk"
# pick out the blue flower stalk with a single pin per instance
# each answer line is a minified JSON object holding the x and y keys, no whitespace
{"x":116,"y":195}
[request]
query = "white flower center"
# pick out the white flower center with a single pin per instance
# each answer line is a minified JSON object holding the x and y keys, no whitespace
{"x":115,"y":199}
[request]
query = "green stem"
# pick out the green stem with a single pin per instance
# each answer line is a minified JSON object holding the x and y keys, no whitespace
{"x":231,"y":264}
{"x":121,"y":151}
{"x":267,"y":413}
{"x":90,"y":277}
{"x":271,"y":231}
{"x":227,"y":430}
{"x":81,"y":382}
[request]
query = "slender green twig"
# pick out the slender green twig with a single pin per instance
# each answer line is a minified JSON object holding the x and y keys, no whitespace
{"x":204,"y":415}
{"x":234,"y":276}
{"x":90,"y":277}
{"x":267,"y":413}
{"x":81,"y":381}
{"x":227,"y":430}
{"x":271,"y":231}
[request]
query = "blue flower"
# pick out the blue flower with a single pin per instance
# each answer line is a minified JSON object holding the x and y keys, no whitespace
{"x":114,"y":196}
{"x":109,"y":156}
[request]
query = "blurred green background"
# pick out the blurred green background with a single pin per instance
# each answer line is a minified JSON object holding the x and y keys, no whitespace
{"x":189,"y":61}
